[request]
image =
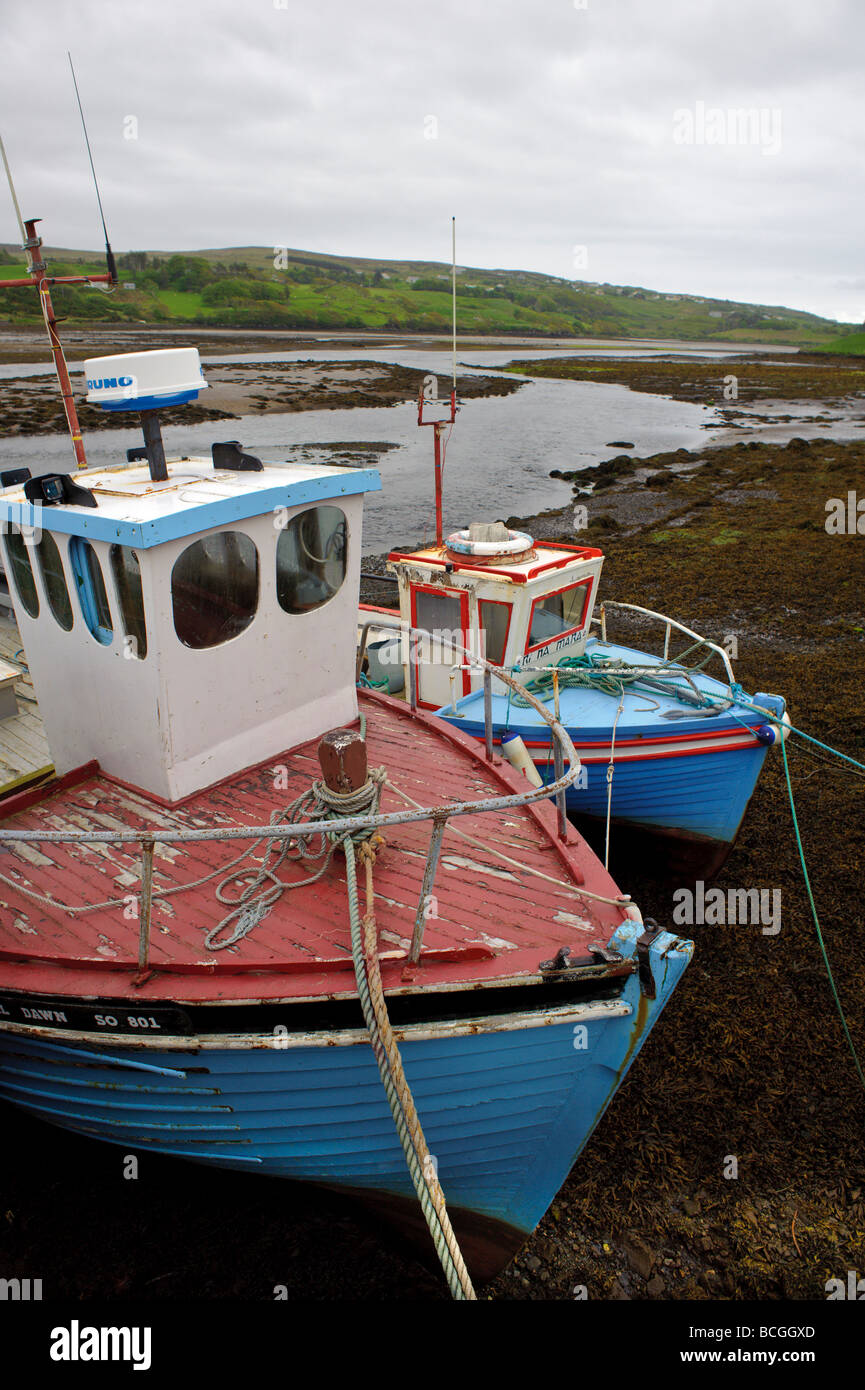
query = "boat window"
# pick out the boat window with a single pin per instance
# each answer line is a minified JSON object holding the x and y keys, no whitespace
{"x":495,"y":619}
{"x":442,"y":615}
{"x":87,"y":573}
{"x":311,"y":557}
{"x":557,"y":614}
{"x":127,"y":583}
{"x":214,"y":589}
{"x":54,"y":579}
{"x":18,"y":561}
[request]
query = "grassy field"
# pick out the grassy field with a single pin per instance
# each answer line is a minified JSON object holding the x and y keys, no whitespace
{"x":264,"y":287}
{"x":853,"y":344}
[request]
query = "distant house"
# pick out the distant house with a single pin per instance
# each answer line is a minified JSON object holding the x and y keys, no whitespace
{"x":715,"y":314}
{"x":128,"y":285}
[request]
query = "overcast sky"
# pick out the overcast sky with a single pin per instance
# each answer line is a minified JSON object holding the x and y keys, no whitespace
{"x":542,"y":125}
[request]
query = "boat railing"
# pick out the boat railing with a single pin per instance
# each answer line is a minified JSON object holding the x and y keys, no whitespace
{"x":563,"y":750}
{"x":669,"y":625}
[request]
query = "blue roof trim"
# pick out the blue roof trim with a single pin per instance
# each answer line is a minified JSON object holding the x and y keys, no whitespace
{"x":192,"y":520}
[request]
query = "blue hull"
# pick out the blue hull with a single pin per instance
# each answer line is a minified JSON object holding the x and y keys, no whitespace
{"x":506,"y":1111}
{"x":677,"y":771}
{"x":703,"y":797}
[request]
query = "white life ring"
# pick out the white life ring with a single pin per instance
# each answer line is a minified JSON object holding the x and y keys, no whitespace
{"x":516,"y":544}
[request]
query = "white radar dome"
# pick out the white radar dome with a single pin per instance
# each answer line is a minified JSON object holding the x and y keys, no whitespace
{"x":144,"y":380}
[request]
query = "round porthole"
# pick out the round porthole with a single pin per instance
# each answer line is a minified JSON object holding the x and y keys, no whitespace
{"x":311,"y":558}
{"x":214,"y":589}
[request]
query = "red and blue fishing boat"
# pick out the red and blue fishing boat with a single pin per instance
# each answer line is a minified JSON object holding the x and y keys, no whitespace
{"x":266,"y":922}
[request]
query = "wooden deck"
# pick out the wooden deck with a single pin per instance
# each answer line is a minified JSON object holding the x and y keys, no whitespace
{"x":24,"y":753}
{"x":492,"y":920}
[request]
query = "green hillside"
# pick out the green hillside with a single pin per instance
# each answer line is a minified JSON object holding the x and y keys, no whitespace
{"x":252,"y":287}
{"x":853,"y":345}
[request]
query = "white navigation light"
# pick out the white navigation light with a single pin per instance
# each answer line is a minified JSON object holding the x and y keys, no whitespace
{"x":144,"y":380}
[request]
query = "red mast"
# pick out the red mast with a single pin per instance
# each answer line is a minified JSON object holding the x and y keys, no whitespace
{"x":41,"y":281}
{"x":439,"y":426}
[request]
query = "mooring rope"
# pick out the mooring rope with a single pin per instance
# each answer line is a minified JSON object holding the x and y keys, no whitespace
{"x":610,"y":780}
{"x":608,"y":675}
{"x":824,"y":952}
{"x":387,"y":1055}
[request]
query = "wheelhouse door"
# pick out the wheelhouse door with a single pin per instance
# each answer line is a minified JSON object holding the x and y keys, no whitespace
{"x":444,"y":615}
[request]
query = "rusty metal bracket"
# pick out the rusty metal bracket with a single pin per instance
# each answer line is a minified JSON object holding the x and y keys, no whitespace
{"x":567,"y":967}
{"x":644,"y":943}
{"x":604,"y":955}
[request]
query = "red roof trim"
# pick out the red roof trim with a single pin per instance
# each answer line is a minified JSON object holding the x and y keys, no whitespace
{"x":582,"y":552}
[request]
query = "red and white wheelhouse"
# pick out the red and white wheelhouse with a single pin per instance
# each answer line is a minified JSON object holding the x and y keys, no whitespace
{"x":518,"y":605}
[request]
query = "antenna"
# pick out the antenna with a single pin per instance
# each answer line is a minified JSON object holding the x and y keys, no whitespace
{"x":41,"y":281}
{"x":454,"y":294}
{"x":109,"y":254}
{"x":14,"y":195}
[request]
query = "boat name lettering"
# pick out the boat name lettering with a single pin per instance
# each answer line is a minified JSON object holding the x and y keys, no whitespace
{"x":159,"y":1019}
{"x":538,"y":653}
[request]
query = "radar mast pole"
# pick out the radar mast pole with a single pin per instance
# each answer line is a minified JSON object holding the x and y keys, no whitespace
{"x":439,"y":426}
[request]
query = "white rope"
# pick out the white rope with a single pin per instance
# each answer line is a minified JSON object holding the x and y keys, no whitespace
{"x":623,"y":900}
{"x":610,"y":780}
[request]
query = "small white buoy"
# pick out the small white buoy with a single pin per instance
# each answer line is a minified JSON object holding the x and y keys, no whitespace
{"x":489,"y":539}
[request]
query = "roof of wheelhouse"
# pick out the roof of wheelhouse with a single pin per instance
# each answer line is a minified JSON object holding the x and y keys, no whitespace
{"x":133,"y":510}
{"x":544,"y":558}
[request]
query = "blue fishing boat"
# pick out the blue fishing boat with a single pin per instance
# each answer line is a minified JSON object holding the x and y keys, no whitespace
{"x":261,"y":920}
{"x":664,"y":746}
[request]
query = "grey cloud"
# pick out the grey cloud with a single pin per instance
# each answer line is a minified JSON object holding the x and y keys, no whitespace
{"x":305,"y":125}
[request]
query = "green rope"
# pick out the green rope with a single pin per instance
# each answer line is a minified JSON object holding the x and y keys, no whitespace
{"x":579,"y":671}
{"x":611,"y":678}
{"x":800,"y":733}
{"x":838,"y":1004}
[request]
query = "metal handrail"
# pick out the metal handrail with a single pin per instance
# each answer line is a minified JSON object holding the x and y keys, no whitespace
{"x":337,"y":825}
{"x":669,"y":624}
